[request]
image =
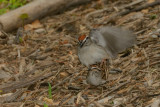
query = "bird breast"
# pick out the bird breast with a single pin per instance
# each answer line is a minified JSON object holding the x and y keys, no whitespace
{"x":91,"y":54}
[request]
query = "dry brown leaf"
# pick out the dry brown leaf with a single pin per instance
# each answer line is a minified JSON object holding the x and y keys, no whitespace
{"x":63,"y":74}
{"x":34,"y":25}
{"x":47,"y":100}
{"x":50,"y":101}
{"x":28,"y":27}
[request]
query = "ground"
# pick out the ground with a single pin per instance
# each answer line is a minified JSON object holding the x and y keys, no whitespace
{"x":47,"y":53}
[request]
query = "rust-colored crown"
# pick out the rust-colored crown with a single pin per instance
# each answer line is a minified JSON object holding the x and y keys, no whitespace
{"x":82,"y":37}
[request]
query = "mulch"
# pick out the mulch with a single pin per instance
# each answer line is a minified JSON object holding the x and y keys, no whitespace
{"x":47,"y":53}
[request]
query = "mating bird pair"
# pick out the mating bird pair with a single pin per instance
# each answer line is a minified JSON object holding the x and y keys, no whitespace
{"x":102,"y":43}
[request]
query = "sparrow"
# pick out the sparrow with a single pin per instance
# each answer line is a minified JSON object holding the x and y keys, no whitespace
{"x":94,"y":77}
{"x":103,"y":43}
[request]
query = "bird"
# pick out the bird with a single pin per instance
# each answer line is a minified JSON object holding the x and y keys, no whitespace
{"x":94,"y":77}
{"x":103,"y":43}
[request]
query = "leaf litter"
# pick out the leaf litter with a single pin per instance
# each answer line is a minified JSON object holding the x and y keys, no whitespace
{"x":48,"y":54}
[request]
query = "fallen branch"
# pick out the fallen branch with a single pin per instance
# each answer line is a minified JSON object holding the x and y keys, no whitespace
{"x":35,"y":10}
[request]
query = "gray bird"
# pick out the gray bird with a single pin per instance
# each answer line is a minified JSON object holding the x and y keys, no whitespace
{"x":94,"y":77}
{"x":103,"y":43}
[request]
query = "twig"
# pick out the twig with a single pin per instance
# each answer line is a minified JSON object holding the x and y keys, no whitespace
{"x":106,"y":94}
{"x":143,"y":41}
{"x":141,"y":31}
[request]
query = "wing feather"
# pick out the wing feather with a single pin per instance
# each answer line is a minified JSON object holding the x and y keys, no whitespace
{"x":113,"y":39}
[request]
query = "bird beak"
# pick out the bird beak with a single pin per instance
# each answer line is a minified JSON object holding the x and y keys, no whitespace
{"x":80,"y":43}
